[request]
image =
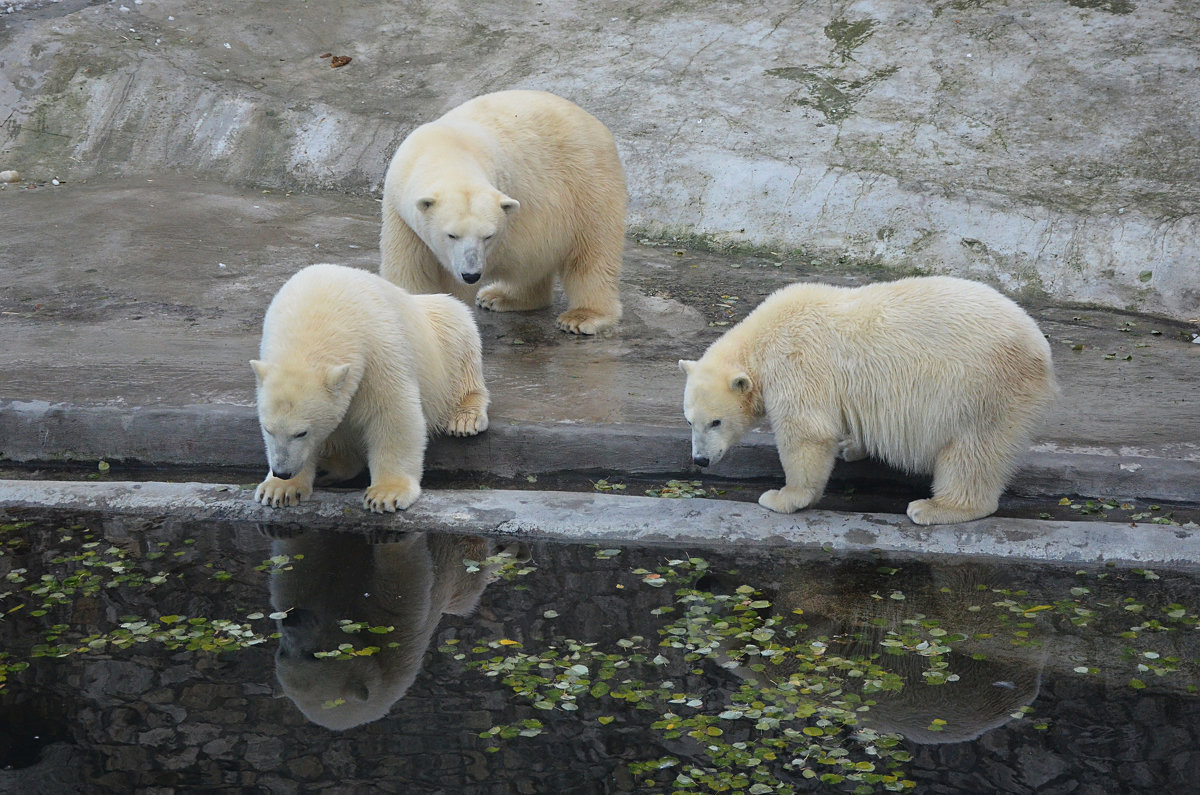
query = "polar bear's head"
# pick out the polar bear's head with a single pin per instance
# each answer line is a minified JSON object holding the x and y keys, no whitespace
{"x":461,"y":225}
{"x":298,"y":407}
{"x":721,"y":404}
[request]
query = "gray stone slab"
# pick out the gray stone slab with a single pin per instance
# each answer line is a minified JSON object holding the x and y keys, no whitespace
{"x":608,"y":519}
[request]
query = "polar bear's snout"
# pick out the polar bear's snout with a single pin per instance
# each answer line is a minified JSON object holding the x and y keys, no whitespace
{"x":287,"y":458}
{"x":708,"y":447}
{"x":468,"y":262}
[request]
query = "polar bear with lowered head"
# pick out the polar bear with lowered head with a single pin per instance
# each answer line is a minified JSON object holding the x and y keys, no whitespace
{"x":927,"y":373}
{"x":498,"y":197}
{"x":354,"y":371}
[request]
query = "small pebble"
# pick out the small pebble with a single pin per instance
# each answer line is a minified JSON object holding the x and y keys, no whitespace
{"x":10,"y":176}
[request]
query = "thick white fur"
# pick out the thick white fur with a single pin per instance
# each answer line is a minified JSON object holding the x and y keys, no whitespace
{"x":353,"y":370}
{"x":531,"y":187}
{"x":928,"y":374}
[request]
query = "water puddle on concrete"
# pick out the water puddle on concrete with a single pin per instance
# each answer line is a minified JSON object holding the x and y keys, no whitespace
{"x":160,"y":654}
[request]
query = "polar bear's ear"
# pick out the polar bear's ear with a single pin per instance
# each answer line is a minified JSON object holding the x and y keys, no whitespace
{"x":260,"y":369}
{"x":424,"y":203}
{"x":335,"y":377}
{"x":686,"y":365}
{"x":508,"y":204}
{"x":741,"y":383}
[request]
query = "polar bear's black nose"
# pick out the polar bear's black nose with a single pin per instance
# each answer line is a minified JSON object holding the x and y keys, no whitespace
{"x":470,"y":278}
{"x":700,"y":460}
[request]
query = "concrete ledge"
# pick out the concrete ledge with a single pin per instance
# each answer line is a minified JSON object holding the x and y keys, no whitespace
{"x":228,"y":436}
{"x":635,"y":520}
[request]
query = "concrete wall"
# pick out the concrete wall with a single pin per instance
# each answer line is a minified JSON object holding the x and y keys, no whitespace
{"x":1048,"y":146}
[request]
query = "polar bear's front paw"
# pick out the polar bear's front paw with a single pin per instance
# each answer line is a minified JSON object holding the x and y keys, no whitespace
{"x":391,"y":494}
{"x":850,"y":450}
{"x":276,"y":493}
{"x":585,"y":321}
{"x":467,"y":421}
{"x":495,"y":298}
{"x":785,"y":501}
{"x":936,"y":511}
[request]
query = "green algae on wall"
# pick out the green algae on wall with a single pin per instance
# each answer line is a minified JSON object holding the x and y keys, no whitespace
{"x":834,"y":97}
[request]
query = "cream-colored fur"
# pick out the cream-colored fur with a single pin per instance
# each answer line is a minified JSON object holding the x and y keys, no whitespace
{"x":928,"y":374}
{"x":354,"y":371}
{"x":498,"y":197}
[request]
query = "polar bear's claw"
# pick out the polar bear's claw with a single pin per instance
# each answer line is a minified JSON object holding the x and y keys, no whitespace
{"x":937,"y":511}
{"x":391,"y":495}
{"x":784,"y":501}
{"x":276,"y":493}
{"x":467,"y":422}
{"x":494,"y":298}
{"x":584,"y":321}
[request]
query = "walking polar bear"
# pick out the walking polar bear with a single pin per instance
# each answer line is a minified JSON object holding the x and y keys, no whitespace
{"x":498,"y":197}
{"x":932,"y":373}
{"x":354,"y":371}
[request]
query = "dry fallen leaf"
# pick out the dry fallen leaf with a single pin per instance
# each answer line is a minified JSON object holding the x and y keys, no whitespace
{"x":339,"y":60}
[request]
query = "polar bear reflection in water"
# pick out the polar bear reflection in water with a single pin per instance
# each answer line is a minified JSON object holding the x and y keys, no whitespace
{"x":406,"y":582}
{"x":993,"y":678}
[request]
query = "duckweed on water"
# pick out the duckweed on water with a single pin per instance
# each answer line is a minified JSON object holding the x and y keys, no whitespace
{"x":741,"y":685}
{"x":85,"y":568}
{"x":799,"y":718}
{"x":800,"y":696}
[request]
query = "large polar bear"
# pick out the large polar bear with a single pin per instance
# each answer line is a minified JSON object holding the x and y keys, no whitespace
{"x":931,"y":373}
{"x":353,"y":370}
{"x":512,"y":188}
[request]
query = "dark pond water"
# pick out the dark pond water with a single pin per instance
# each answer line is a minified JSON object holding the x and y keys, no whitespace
{"x":158,"y":655}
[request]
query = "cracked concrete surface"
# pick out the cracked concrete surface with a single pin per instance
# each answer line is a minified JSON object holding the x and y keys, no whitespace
{"x":1047,"y":147}
{"x":129,"y":325}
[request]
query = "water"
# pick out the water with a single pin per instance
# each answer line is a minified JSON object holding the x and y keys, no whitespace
{"x":470,"y":665}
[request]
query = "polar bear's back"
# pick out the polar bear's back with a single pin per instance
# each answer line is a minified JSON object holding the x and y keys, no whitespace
{"x":332,"y":314}
{"x":544,"y":150}
{"x":328,"y":313}
{"x":957,"y":322}
{"x":908,"y":364}
{"x":520,"y":119}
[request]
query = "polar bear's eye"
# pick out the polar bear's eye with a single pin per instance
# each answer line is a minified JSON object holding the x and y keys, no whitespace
{"x":452,"y":237}
{"x":714,"y":424}
{"x":488,"y":237}
{"x":300,"y":435}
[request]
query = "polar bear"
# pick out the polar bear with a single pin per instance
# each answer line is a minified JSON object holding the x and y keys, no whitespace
{"x":500,"y":195}
{"x":926,"y":373}
{"x":353,"y":370}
